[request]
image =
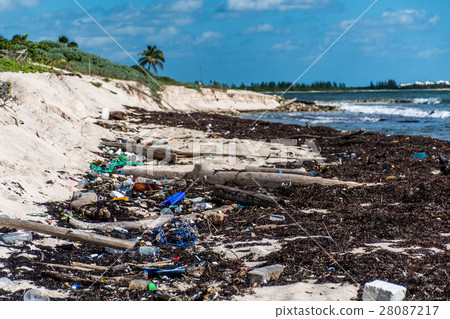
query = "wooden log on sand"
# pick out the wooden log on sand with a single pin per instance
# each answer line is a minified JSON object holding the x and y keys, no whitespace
{"x":244,"y":196}
{"x":297,"y":171}
{"x":135,"y":225}
{"x":159,"y":153}
{"x":67,"y":233}
{"x":242,"y":178}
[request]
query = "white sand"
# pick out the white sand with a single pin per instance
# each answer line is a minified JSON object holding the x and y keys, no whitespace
{"x":50,"y":135}
{"x":303,"y":291}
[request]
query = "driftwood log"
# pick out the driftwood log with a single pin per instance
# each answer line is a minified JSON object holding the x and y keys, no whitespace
{"x":159,"y":153}
{"x":66,"y":233}
{"x":296,"y":171}
{"x":118,"y":281}
{"x":135,"y":225}
{"x":242,"y":178}
{"x":244,"y":197}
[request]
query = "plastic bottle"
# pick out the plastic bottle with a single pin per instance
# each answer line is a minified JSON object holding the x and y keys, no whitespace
{"x":114,"y":251}
{"x":11,"y":238}
{"x":139,"y":284}
{"x":105,"y":113}
{"x":201,"y":206}
{"x":167,"y":211}
{"x":149,"y":251}
{"x":170,"y":271}
{"x":35,"y":295}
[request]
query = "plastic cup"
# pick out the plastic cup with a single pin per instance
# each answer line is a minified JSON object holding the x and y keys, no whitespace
{"x":35,"y":295}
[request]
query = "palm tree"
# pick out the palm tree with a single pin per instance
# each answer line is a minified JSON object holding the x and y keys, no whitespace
{"x":63,"y":39}
{"x":19,"y":37}
{"x":153,"y":58}
{"x":72,"y":45}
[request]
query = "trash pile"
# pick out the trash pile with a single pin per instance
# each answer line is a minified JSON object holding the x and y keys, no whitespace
{"x":130,"y":237}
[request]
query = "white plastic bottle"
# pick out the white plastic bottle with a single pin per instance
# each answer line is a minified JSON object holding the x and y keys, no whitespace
{"x":11,"y":238}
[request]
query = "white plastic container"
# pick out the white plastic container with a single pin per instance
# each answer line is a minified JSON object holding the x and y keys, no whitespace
{"x":105,"y":114}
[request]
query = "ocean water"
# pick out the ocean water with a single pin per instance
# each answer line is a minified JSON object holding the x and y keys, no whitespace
{"x":427,"y":115}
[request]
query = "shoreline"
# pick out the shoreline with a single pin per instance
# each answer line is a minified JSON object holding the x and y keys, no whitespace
{"x":378,"y":204}
{"x":363,"y":90}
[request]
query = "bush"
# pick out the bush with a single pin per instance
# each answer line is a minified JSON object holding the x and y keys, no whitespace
{"x":5,"y":93}
{"x":14,"y":66}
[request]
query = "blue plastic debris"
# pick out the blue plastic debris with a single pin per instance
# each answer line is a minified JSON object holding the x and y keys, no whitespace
{"x":175,"y":198}
{"x":280,"y":171}
{"x":314,"y":173}
{"x":419,"y":155}
{"x":331,"y":269}
{"x":183,"y":235}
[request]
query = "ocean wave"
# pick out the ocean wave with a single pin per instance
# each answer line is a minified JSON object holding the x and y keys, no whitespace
{"x":394,"y":110}
{"x":333,"y":119}
{"x":429,"y":101}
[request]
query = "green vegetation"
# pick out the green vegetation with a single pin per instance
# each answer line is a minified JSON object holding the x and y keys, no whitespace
{"x":65,"y":40}
{"x":194,"y":86}
{"x":5,"y":93}
{"x":152,"y":57}
{"x":97,"y":84}
{"x":61,"y":55}
{"x":7,"y":65}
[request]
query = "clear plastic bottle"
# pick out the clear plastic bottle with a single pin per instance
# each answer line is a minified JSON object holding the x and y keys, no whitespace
{"x":139,"y":284}
{"x":11,"y":238}
{"x":149,"y":251}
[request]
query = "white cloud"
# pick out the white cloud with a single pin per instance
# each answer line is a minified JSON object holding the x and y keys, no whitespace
{"x":392,"y":21}
{"x":210,"y":37}
{"x":281,"y":5}
{"x":132,"y":30}
{"x":408,"y":17}
{"x":10,"y":4}
{"x":162,"y":35}
{"x":93,"y":42}
{"x":187,"y":5}
{"x":285,"y":46}
{"x":266,"y":27}
{"x":427,"y":53}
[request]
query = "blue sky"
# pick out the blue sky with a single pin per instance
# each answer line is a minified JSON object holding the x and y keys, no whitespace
{"x":236,"y":41}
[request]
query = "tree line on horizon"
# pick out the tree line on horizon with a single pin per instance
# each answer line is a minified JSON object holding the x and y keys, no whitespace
{"x":298,"y":87}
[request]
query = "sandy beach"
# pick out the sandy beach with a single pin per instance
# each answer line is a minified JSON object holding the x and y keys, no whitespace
{"x":374,"y":211}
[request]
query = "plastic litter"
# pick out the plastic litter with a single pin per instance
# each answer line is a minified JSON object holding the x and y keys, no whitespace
{"x":314,"y":173}
{"x":121,"y":161}
{"x":35,"y":295}
{"x":7,"y":284}
{"x":183,"y":235}
{"x":167,"y":211}
{"x":175,"y":198}
{"x":278,"y":218}
{"x":125,"y":199}
{"x":149,"y":251}
{"x":196,"y":200}
{"x":139,"y":284}
{"x":105,"y":114}
{"x":11,"y":238}
{"x":419,"y":155}
{"x":201,"y":206}
{"x":169,"y":271}
{"x":116,"y":194}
